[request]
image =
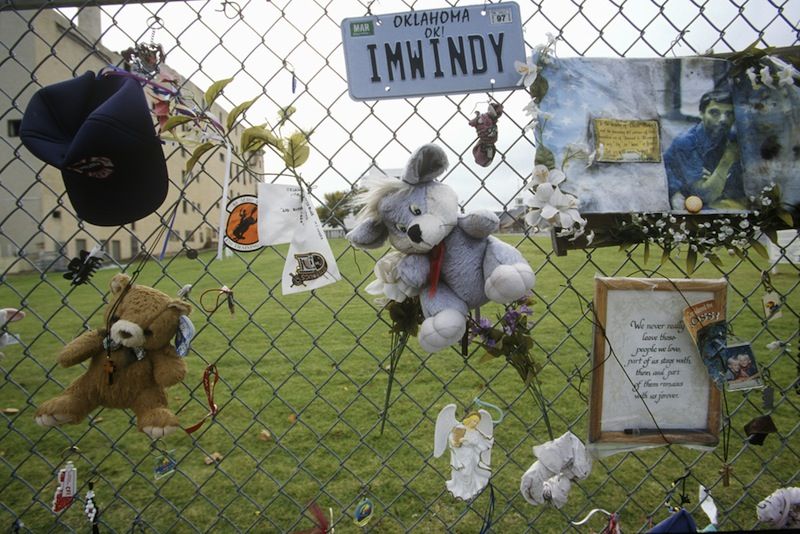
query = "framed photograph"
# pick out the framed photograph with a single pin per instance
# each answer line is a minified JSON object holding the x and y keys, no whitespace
{"x":649,"y":383}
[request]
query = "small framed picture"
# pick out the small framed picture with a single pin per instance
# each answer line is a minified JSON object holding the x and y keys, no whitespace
{"x":742,"y":371}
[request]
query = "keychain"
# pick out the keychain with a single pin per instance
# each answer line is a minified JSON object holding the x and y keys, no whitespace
{"x":65,"y":492}
{"x":90,"y":509}
{"x":165,"y":464}
{"x":771,"y":299}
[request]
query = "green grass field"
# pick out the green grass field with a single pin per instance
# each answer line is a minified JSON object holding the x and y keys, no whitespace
{"x":310,"y":369}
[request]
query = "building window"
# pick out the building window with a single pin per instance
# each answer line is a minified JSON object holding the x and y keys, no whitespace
{"x":174,"y":236}
{"x":185,"y":206}
{"x":221,"y":156}
{"x":187,"y":235}
{"x":133,"y":226}
{"x":56,"y":214}
{"x":116,"y":249}
{"x":80,"y":244}
{"x":13,"y":127}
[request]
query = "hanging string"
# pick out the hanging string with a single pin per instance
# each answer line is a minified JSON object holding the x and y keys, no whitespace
{"x":487,"y":517}
{"x":222,"y":293}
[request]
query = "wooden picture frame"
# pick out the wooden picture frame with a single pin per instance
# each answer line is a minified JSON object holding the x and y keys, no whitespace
{"x":665,"y":395}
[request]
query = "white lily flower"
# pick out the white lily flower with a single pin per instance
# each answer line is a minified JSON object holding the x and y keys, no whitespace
{"x":543,"y":175}
{"x":549,"y":204}
{"x":528,"y":72}
{"x":766,"y":77}
{"x":786,"y":76}
{"x":388,"y":282}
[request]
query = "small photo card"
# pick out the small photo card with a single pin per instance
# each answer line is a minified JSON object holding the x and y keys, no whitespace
{"x":772,"y":305}
{"x":742,"y":371}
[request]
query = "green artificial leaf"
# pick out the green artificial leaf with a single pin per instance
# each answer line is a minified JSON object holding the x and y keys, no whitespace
{"x":646,"y":251}
{"x":772,"y":235}
{"x":255,"y":137}
{"x":664,"y":256}
{"x":786,"y":217}
{"x":214,"y":90}
{"x":285,"y":113}
{"x":739,"y":253}
{"x":198,"y":152}
{"x":691,"y":261}
{"x":715,"y":260}
{"x":538,"y":88}
{"x":296,"y":152}
{"x":486,"y":357}
{"x":175,"y":120}
{"x":545,"y":157}
{"x":233,"y":116}
{"x":758,"y":247}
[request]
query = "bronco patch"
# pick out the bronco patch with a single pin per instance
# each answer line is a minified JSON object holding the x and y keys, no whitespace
{"x":241,"y":229}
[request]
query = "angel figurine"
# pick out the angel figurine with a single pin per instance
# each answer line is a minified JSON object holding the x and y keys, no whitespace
{"x":470,"y":442}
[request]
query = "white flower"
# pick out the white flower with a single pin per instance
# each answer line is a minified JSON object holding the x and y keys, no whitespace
{"x":543,"y":175}
{"x":387,"y":281}
{"x":766,"y":77}
{"x":532,"y":110}
{"x":751,"y":73}
{"x":744,"y":224}
{"x":553,"y":207}
{"x":527,"y":71}
{"x":786,"y":76}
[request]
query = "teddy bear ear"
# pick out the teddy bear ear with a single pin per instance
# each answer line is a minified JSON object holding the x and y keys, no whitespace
{"x":426,"y":163}
{"x":119,"y":283}
{"x":181,"y":305}
{"x":370,"y":233}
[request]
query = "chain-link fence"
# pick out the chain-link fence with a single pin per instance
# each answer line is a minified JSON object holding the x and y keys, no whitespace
{"x":303,"y":377}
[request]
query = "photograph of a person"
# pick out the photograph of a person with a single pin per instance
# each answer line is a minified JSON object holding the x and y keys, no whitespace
{"x":742,"y":372}
{"x":703,"y":161}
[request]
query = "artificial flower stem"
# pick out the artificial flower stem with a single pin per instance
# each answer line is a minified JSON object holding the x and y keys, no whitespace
{"x":399,"y":342}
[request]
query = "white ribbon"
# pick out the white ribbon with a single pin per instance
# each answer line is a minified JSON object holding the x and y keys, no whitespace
{"x":223,"y":203}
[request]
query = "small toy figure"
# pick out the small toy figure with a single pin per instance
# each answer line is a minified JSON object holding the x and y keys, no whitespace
{"x":470,"y":443}
{"x":486,"y":126}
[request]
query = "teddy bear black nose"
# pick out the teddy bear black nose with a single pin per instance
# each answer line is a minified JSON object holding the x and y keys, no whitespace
{"x":415,"y":233}
{"x":124,"y":334}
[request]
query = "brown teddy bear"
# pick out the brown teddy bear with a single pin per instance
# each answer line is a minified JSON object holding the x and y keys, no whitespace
{"x":131,"y":364}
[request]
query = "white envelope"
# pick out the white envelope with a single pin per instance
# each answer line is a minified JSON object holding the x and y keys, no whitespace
{"x":279,"y":209}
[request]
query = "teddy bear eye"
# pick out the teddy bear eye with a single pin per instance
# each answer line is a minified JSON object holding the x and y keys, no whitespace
{"x":114,"y":318}
{"x":415,"y":209}
{"x":401,"y":227}
{"x":148,"y":332}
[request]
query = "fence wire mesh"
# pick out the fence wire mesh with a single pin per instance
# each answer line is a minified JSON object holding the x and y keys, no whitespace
{"x":303,"y":376}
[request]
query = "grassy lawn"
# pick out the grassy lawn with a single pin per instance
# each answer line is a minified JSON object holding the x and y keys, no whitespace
{"x":309,"y":368}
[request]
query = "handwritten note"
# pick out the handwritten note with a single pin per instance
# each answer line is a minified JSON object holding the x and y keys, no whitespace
{"x":618,"y":141}
{"x":666,"y":379}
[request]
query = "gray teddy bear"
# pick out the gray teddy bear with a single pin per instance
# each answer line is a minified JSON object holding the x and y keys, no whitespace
{"x":451,"y":261}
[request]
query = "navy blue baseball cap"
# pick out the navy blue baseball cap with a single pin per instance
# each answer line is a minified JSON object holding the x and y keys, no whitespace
{"x":98,"y":131}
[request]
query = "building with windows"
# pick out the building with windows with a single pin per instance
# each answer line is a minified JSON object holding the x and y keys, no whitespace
{"x":38,"y":227}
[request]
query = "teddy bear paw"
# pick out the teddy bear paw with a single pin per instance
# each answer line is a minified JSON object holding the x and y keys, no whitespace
{"x":508,"y":283}
{"x":53,"y":419}
{"x":442,"y":330}
{"x":157,"y":432}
